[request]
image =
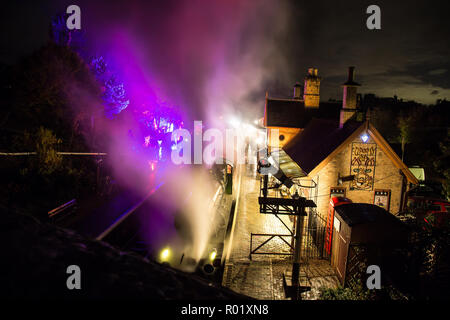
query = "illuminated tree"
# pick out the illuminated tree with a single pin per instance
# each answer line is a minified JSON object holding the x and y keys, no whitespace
{"x":114,"y":95}
{"x":404,"y":125}
{"x":61,"y":35}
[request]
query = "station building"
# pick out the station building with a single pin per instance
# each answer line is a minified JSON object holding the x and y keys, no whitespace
{"x":331,"y":149}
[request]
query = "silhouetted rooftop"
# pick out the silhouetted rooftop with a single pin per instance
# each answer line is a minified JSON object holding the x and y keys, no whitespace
{"x":291,"y":113}
{"x":35,"y":257}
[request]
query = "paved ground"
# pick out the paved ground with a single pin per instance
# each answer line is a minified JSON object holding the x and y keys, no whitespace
{"x":262,"y":277}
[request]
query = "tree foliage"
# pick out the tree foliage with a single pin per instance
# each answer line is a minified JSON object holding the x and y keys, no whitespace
{"x":418,"y":133}
{"x":112,"y":89}
{"x":113,"y":93}
{"x":357,"y":292}
{"x":63,"y":36}
{"x":49,"y":160}
{"x":51,"y":88}
{"x":441,"y":164}
{"x":360,"y":292}
{"x":405,"y":124}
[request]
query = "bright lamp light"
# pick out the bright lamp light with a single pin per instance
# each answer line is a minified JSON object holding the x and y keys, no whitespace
{"x":234,"y":122}
{"x":213,"y":255}
{"x":165,"y":254}
{"x":364,"y":137}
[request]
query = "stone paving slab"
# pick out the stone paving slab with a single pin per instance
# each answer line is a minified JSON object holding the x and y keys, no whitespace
{"x":262,"y":276}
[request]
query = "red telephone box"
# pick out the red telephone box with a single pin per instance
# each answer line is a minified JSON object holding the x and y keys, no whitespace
{"x":334,"y":202}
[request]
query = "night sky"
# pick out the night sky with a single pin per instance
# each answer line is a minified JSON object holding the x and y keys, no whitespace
{"x":214,"y":55}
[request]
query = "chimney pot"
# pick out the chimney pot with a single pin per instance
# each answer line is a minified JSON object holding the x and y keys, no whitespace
{"x":297,"y":91}
{"x":351,"y":74}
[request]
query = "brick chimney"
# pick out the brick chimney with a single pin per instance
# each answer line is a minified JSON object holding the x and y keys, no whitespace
{"x":350,"y":97}
{"x":311,"y":93}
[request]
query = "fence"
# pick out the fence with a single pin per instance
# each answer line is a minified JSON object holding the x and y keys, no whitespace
{"x":313,"y":240}
{"x":314,"y":236}
{"x":62,"y":211}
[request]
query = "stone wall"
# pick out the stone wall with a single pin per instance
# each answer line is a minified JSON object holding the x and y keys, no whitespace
{"x":311,"y":95}
{"x":280,"y":135}
{"x":350,"y":97}
{"x":387,"y":177}
{"x":345,"y":115}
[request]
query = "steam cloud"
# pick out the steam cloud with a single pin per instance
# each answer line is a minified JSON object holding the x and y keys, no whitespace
{"x":210,"y":59}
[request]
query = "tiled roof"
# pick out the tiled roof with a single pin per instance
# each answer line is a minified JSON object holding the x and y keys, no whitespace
{"x":292,"y":113}
{"x":361,"y":213}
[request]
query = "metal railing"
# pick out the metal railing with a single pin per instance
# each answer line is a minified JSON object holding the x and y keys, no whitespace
{"x":312,"y":243}
{"x":271,"y":236}
{"x":62,"y":210}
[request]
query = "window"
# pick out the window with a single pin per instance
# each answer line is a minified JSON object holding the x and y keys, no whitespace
{"x":382,"y":198}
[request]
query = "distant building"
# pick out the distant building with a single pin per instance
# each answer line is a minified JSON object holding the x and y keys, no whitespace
{"x":334,"y":150}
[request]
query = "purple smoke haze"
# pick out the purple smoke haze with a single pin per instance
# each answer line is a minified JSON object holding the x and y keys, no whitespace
{"x":181,"y":61}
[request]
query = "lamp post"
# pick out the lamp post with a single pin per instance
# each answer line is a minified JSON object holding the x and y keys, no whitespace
{"x":297,"y":254}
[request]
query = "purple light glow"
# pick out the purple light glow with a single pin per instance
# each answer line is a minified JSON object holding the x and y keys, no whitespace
{"x":194,"y":54}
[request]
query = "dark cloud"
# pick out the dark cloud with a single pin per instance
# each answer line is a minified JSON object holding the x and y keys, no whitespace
{"x":431,"y":72}
{"x":264,"y":45}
